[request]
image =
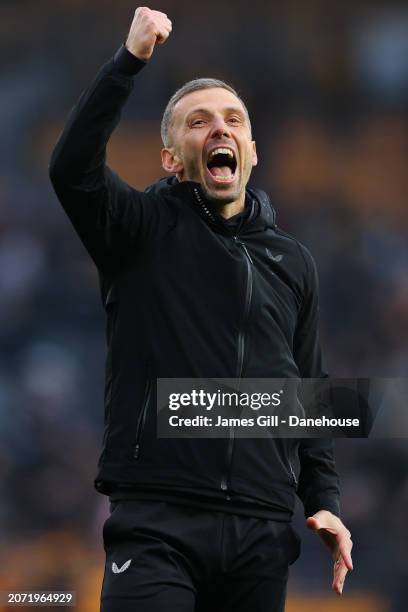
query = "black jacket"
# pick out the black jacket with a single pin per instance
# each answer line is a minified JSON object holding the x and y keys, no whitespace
{"x":189,"y":294}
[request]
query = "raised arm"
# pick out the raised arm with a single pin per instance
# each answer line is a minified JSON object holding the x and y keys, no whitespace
{"x":109,"y":215}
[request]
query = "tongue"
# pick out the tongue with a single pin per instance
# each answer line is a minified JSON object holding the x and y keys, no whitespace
{"x":221,"y":171}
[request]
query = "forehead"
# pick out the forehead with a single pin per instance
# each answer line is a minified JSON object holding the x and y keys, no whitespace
{"x":215,"y":99}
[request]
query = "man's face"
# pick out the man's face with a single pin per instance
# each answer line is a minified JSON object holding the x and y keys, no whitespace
{"x":211,"y":144}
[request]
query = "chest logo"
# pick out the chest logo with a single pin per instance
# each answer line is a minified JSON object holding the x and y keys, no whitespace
{"x":119,"y":570}
{"x":278,"y":257}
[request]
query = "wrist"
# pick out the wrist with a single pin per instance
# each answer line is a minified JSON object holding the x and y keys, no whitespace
{"x":134,"y":52}
{"x":126,"y":62}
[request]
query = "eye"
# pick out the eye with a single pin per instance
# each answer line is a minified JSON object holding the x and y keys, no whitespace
{"x":235,"y":120}
{"x":198,"y":122}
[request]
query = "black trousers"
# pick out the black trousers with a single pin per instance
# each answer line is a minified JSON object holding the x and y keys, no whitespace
{"x":164,"y":557}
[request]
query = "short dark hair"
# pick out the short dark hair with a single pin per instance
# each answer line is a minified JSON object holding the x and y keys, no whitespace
{"x":195,"y":85}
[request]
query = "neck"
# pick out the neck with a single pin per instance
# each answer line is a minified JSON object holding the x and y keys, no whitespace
{"x":232,"y":208}
{"x":225,"y":210}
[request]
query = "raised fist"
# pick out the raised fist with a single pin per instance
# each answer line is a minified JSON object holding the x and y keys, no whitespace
{"x":148,"y":28}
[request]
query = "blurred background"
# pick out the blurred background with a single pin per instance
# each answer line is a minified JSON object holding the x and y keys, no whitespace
{"x":326,"y":84}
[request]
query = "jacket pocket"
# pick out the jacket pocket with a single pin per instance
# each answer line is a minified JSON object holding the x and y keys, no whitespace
{"x":292,"y":474}
{"x":111,"y":308}
{"x":142,"y":418}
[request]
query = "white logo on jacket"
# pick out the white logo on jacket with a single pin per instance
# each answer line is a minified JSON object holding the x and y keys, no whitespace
{"x":274,"y":257}
{"x":119,"y":570}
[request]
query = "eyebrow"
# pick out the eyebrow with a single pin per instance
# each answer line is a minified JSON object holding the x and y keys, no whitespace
{"x":204,"y":111}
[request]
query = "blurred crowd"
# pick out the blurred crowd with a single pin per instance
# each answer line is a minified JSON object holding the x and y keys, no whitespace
{"x":327,"y":90}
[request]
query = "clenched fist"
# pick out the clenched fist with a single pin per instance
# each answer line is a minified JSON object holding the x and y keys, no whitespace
{"x":148,"y":28}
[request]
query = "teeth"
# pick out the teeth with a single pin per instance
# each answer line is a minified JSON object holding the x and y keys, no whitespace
{"x":222,"y":151}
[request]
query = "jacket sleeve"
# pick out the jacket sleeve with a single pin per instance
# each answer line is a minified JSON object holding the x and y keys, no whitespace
{"x":318,"y":486}
{"x":109,"y":216}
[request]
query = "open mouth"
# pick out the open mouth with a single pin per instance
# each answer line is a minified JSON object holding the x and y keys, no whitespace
{"x":222,"y":164}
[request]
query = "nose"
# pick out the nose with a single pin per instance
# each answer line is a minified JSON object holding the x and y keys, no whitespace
{"x":219,"y":128}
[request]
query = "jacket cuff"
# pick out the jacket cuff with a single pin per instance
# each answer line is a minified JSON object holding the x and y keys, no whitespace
{"x":126,"y":63}
{"x":323,"y":503}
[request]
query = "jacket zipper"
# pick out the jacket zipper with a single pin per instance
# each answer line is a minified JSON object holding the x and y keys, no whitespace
{"x":241,"y":336}
{"x":142,"y":418}
{"x":241,"y":353}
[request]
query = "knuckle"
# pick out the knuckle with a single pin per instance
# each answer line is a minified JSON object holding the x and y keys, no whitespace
{"x":150,"y":24}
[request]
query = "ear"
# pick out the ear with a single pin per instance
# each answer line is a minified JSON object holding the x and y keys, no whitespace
{"x":170,"y":161}
{"x":254,"y":154}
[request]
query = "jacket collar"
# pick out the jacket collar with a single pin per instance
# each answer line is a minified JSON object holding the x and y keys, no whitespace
{"x":261,"y":216}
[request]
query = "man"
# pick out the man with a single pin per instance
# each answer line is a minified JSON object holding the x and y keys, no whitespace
{"x":197,"y":281}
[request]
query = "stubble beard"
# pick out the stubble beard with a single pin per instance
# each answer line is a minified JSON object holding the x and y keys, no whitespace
{"x":220,"y":199}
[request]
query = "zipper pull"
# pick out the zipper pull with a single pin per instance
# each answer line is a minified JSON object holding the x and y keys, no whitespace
{"x":242,"y":245}
{"x":246,"y":252}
